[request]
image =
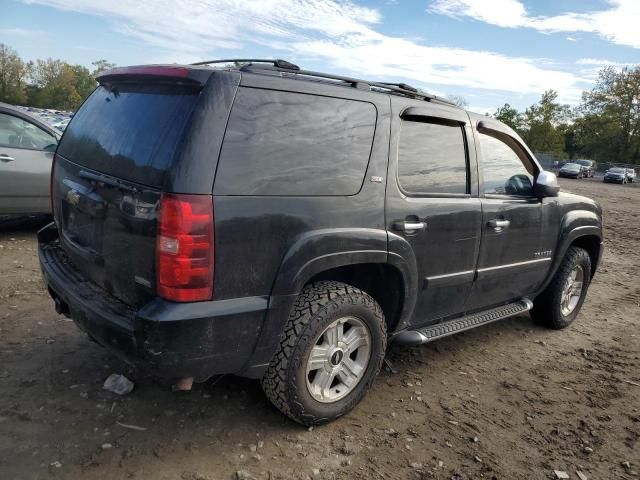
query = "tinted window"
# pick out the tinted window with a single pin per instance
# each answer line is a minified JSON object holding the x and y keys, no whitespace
{"x":432,"y":158}
{"x":18,"y":133}
{"x":503,"y":171}
{"x":130,"y":132}
{"x":281,"y":143}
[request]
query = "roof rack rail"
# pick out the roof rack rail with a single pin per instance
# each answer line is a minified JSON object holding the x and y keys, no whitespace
{"x":399,"y":88}
{"x":401,"y":85}
{"x":279,"y":63}
{"x":288,"y":67}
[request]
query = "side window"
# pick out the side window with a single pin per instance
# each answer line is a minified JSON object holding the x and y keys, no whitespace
{"x":504,"y":171}
{"x":285,"y":143}
{"x":17,"y":133}
{"x":432,"y":158}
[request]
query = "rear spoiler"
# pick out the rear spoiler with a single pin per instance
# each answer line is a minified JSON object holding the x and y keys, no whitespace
{"x":174,"y":74}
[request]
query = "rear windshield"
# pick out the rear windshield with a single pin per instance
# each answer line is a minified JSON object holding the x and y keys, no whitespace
{"x":130,"y":132}
{"x":285,"y":143}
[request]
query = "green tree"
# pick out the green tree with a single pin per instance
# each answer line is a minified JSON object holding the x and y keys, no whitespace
{"x":84,"y":80}
{"x":13,"y":76}
{"x":458,"y":100}
{"x":100,"y":66}
{"x":56,"y":84}
{"x":510,"y":116}
{"x":610,"y":123}
{"x":541,"y":124}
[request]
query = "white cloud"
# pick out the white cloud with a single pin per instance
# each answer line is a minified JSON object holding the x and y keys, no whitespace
{"x":572,"y":39}
{"x":20,"y":32}
{"x":619,"y":23}
{"x":601,"y":62}
{"x":338,"y":32}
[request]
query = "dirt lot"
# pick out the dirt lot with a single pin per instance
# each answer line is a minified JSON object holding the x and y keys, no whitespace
{"x":510,"y":400}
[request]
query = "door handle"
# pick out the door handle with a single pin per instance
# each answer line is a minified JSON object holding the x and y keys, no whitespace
{"x":6,"y":158}
{"x":498,"y":225}
{"x":409,"y":227}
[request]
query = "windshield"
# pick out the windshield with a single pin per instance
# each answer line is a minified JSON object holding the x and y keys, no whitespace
{"x":616,"y":170}
{"x":572,"y":166}
{"x":586,"y":163}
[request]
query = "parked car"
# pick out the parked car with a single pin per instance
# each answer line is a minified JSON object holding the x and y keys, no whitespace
{"x":588,"y":167}
{"x":571,"y":170}
{"x":615,"y":175}
{"x":26,"y":152}
{"x":631,"y":174}
{"x":287,"y":225}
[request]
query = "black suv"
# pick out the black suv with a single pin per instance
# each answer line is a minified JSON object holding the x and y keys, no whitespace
{"x":287,"y":225}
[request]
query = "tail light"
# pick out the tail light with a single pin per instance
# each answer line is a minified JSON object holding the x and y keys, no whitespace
{"x":184,"y":251}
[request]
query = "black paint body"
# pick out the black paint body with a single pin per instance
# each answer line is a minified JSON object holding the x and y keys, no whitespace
{"x":267,"y":247}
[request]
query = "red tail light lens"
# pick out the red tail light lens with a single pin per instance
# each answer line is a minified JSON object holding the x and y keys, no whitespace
{"x":184,"y":248}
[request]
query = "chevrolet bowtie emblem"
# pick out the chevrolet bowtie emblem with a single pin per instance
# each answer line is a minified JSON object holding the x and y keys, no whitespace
{"x":73,"y":197}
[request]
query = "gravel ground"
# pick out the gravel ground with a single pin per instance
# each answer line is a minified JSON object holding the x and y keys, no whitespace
{"x":510,"y":400}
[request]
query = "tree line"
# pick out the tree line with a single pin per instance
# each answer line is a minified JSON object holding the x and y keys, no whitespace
{"x":45,"y":83}
{"x":605,"y":126}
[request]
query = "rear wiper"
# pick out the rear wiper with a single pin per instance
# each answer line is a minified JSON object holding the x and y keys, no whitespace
{"x":106,"y":180}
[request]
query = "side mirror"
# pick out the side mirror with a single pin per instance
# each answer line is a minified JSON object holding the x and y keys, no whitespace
{"x":546,"y":185}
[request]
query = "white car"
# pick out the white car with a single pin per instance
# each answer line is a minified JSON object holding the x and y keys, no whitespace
{"x":631,"y":174}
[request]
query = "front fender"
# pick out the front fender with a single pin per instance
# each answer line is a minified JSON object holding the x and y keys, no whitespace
{"x":575,"y":224}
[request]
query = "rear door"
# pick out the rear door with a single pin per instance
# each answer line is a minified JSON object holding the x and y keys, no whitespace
{"x":433,"y":204}
{"x":111,"y":167}
{"x":26,"y":152}
{"x":512,"y":261}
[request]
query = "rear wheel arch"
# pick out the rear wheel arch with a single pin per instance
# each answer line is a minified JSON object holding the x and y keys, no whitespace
{"x":382,"y":281}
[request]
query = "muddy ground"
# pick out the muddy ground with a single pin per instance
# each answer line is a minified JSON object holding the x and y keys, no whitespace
{"x":510,"y":400}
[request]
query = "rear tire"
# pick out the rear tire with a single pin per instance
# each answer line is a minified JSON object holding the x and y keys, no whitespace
{"x":317,"y":375}
{"x":559,"y":304}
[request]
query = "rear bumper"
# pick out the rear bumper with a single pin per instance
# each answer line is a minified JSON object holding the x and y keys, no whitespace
{"x":168,"y":340}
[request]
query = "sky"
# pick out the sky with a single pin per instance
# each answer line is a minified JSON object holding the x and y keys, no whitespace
{"x":489,"y":52}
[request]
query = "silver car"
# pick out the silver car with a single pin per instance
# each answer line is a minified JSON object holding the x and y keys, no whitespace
{"x":26,"y":153}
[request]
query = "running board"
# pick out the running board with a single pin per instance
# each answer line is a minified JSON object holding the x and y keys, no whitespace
{"x":450,"y":327}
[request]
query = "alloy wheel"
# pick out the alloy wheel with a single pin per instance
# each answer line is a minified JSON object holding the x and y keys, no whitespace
{"x":338,"y":360}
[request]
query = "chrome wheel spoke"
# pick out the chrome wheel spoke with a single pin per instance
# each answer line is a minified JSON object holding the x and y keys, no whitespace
{"x":334,"y":334}
{"x":355,"y":338}
{"x":322,"y":383}
{"x":318,"y":357}
{"x":349,"y":373}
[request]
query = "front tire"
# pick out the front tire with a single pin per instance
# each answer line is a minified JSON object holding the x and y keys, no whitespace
{"x":331,"y":352}
{"x":559,"y":304}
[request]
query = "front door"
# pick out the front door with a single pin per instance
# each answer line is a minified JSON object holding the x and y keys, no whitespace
{"x":432,"y":204}
{"x":25,"y":166}
{"x":512,"y":262}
